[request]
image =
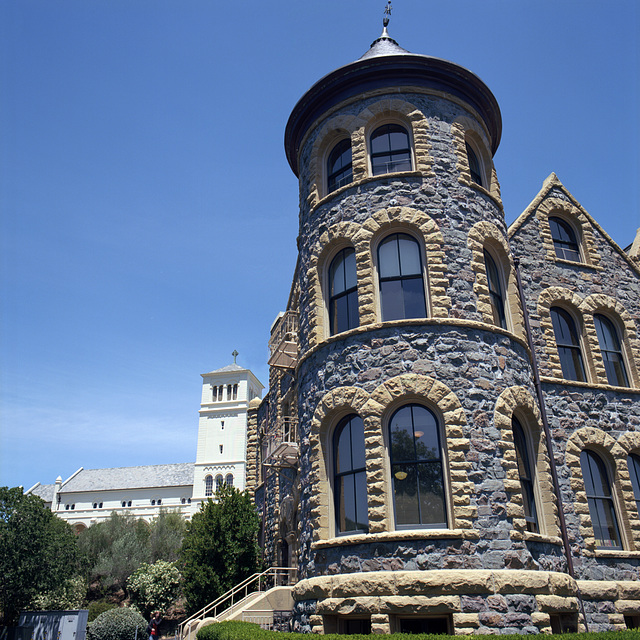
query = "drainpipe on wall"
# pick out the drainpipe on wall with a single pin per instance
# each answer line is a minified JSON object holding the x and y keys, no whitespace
{"x":547,"y":435}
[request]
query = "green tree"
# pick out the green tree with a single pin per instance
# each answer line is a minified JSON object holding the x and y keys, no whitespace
{"x":166,"y":534}
{"x":154,"y":587}
{"x":220,"y":547}
{"x":38,"y":551}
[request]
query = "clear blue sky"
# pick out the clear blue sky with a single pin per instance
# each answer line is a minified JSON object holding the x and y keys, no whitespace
{"x":149,"y":216}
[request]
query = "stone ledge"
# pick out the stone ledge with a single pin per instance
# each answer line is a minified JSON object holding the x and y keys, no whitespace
{"x":539,"y":537}
{"x":588,"y":385}
{"x":392,"y":536}
{"x":573,"y":263}
{"x":619,"y":554}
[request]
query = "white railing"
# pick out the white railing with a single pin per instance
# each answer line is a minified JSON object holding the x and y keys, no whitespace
{"x":268,"y":619}
{"x":272,"y":577}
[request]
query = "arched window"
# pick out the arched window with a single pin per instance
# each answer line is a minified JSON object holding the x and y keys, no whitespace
{"x":229,"y":480}
{"x":339,"y":171}
{"x":401,"y":278}
{"x":208,"y":486}
{"x":564,"y":240}
{"x":633,"y":461}
{"x":343,"y":294}
{"x":390,"y":150}
{"x":219,"y":482}
{"x":568,"y":342}
{"x":600,"y":499}
{"x":349,"y":476}
{"x":611,"y":351}
{"x":417,"y":468}
{"x":475,"y":168}
{"x":527,"y":477}
{"x":495,"y":291}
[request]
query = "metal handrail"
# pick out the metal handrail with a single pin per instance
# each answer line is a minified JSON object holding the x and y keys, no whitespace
{"x":264,"y":580}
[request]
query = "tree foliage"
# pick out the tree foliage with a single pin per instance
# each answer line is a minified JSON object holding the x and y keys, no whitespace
{"x":154,"y":586}
{"x":38,"y":551}
{"x":220,"y":547}
{"x":166,"y":534}
{"x":117,"y":624}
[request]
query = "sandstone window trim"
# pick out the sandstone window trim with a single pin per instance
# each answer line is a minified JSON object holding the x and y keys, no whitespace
{"x":414,"y":282}
{"x":611,"y":345}
{"x":497,"y":289}
{"x":387,"y":151}
{"x":347,"y":294}
{"x":338,"y":176}
{"x":568,"y":336}
{"x":566,"y":241}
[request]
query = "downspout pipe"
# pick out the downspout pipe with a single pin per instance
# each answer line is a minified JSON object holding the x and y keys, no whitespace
{"x":547,"y":435}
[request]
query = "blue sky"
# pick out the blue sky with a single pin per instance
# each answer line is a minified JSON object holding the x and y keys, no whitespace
{"x":149,"y":217}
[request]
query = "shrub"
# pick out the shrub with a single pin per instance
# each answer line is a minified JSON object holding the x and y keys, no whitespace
{"x":117,"y":624}
{"x":99,"y":606}
{"x":154,"y":586}
{"x":69,"y":595}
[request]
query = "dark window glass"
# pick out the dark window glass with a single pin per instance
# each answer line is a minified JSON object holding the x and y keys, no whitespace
{"x":563,"y":623}
{"x":339,"y":170}
{"x":431,"y":625}
{"x":100,"y":505}
{"x":352,"y":626}
{"x":390,"y":150}
{"x":634,"y":471}
{"x":611,"y":351}
{"x":95,"y":505}
{"x":526,"y":476}
{"x":129,"y":503}
{"x":350,"y":478}
{"x":417,"y":469}
{"x":124,"y":504}
{"x":343,"y":295}
{"x":601,"y":506}
{"x":564,"y":240}
{"x":474,"y":165}
{"x":495,"y":291}
{"x":208,"y":486}
{"x":564,"y":329}
{"x":401,"y":282}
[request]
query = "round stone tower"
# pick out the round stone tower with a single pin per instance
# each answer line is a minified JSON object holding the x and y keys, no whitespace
{"x":425,"y":495}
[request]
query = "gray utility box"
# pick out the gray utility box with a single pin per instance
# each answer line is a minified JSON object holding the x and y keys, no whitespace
{"x":55,"y":625}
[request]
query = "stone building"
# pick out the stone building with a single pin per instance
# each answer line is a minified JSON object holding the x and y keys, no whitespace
{"x":450,"y":440}
{"x":89,"y":496}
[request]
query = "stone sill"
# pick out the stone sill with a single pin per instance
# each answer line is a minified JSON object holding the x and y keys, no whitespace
{"x":363,"y":181}
{"x":393,"y":536}
{"x":584,"y":265}
{"x":588,"y":385}
{"x":616,"y":553}
{"x":529,"y":536}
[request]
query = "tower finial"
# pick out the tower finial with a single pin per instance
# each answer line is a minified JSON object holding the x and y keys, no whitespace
{"x":235,"y":354}
{"x":387,"y":14}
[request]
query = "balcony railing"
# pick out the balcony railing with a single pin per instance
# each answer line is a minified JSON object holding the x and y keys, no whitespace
{"x":283,"y":344}
{"x":281,"y":443}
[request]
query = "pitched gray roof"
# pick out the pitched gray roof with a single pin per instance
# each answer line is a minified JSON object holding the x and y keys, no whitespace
{"x":157,"y":475}
{"x":44,"y":491}
{"x":229,"y":368}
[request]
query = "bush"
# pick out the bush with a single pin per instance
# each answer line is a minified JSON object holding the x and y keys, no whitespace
{"x":69,"y":595}
{"x":99,"y":606}
{"x":154,"y":586}
{"x":117,"y":624}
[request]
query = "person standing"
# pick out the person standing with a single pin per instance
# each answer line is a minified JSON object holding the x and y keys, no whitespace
{"x":153,"y":628}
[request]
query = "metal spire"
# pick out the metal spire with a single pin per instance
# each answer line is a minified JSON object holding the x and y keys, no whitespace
{"x":385,"y":20}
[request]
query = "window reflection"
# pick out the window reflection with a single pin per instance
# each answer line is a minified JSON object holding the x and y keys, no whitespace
{"x":564,"y":240}
{"x":568,"y":342}
{"x":390,"y":150}
{"x":343,"y":296}
{"x":611,"y":351}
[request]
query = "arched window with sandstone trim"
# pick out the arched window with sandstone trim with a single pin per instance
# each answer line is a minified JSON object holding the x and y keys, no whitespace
{"x":600,"y":498}
{"x":633,"y":461}
{"x":417,"y":468}
{"x":208,"y":486}
{"x":496,"y":290}
{"x":475,"y":168}
{"x":568,"y":343}
{"x":343,"y":292}
{"x":339,"y":165}
{"x":526,"y":473}
{"x":349,"y":476}
{"x":565,"y":241}
{"x":400,"y":270}
{"x":611,"y":351}
{"x":390,"y":149}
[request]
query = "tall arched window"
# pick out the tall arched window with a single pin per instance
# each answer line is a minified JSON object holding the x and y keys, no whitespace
{"x":208,"y":486}
{"x":633,"y":461}
{"x":568,"y":342}
{"x":229,"y":480}
{"x":339,"y":167}
{"x":343,"y":293}
{"x":219,"y":482}
{"x":475,"y":169}
{"x":611,"y":351}
{"x":527,"y":477}
{"x":564,"y":240}
{"x":390,"y":150}
{"x":401,"y":278}
{"x":417,"y":468}
{"x":600,"y":499}
{"x":496,"y":292}
{"x":350,"y":477}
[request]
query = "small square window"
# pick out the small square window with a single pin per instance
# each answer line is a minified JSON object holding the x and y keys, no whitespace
{"x":564,"y":623}
{"x":632,"y":622}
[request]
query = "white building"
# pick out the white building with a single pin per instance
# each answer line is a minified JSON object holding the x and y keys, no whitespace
{"x":91,"y":495}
